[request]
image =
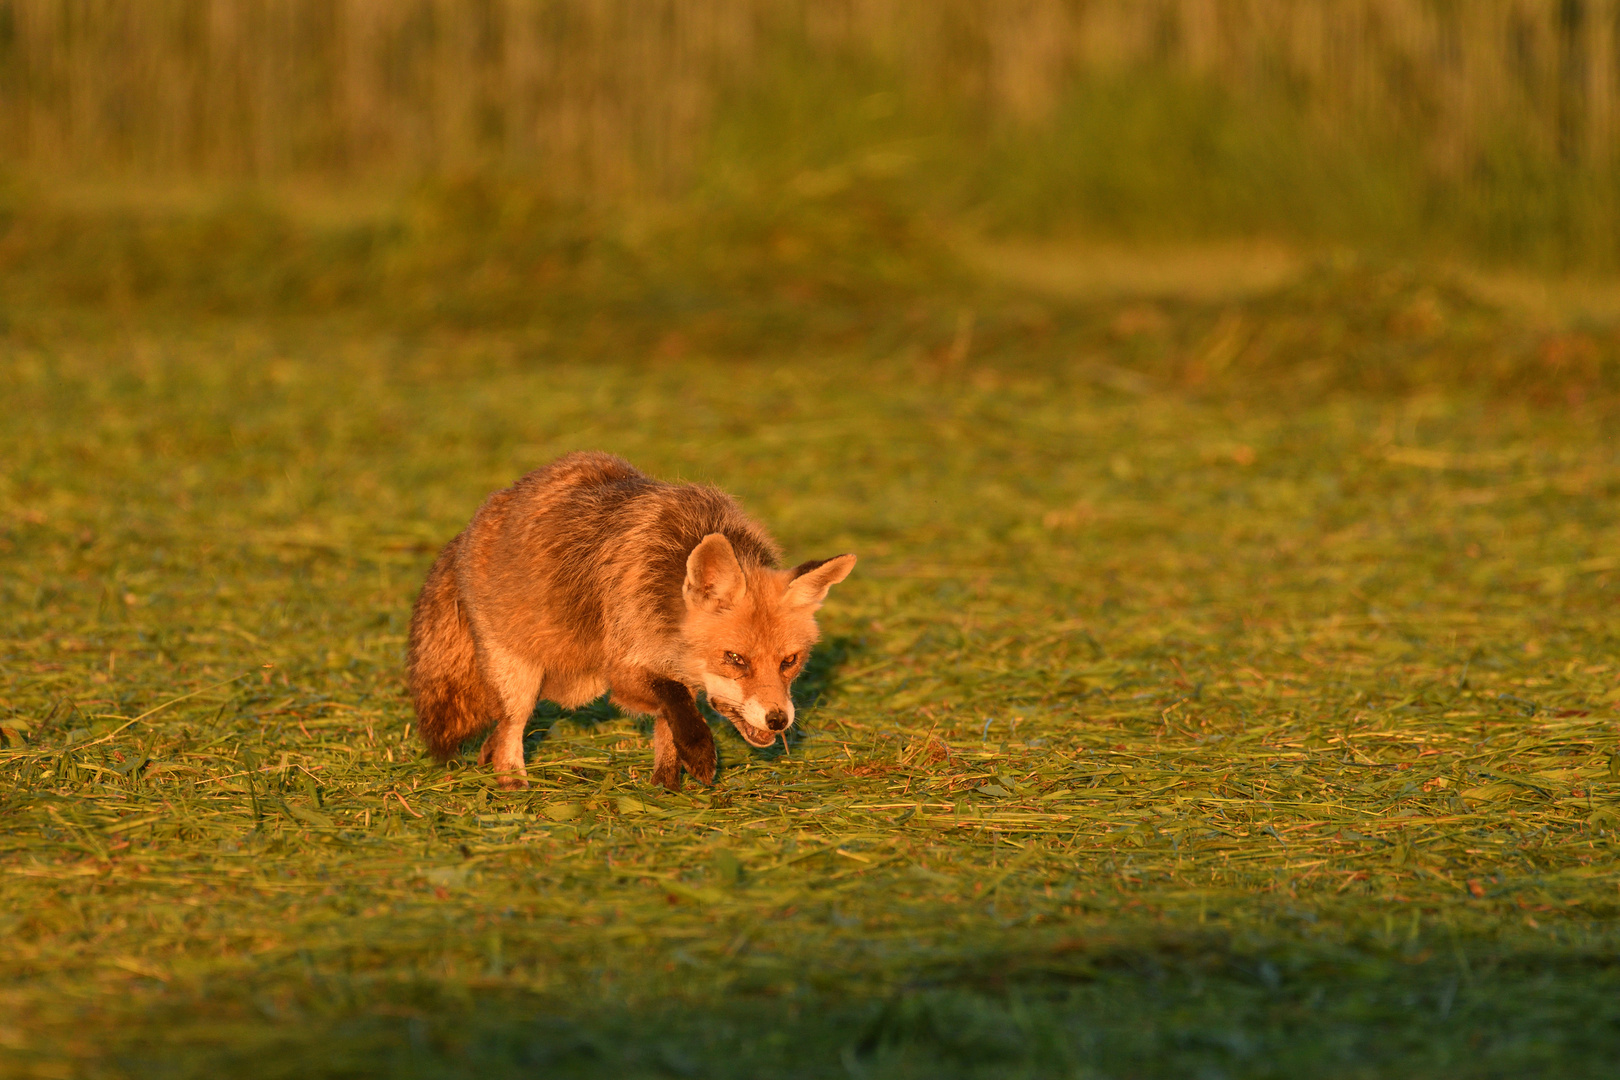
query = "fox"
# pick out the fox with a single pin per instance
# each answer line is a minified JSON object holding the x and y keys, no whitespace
{"x":587,"y":577}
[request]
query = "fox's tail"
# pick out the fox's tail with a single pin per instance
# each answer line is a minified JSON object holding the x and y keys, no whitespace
{"x":442,"y":669}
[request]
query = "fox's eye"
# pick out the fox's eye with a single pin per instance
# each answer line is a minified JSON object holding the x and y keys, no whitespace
{"x":789,"y":661}
{"x":736,"y":661}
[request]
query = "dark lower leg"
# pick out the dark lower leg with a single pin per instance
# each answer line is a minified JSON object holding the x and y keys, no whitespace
{"x":688,"y":733}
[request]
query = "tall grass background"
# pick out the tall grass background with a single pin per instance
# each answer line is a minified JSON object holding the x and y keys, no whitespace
{"x":1484,"y":127}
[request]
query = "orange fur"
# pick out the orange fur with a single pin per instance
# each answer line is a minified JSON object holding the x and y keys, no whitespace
{"x":588,"y":576}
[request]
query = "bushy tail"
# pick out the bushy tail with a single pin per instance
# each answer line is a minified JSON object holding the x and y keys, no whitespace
{"x":449,"y":692}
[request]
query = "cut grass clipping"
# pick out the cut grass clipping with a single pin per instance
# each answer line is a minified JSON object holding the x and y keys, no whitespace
{"x":1240,"y":734}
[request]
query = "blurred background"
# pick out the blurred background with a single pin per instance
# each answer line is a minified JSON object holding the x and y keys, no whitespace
{"x":1487,"y":124}
{"x":795,"y":163}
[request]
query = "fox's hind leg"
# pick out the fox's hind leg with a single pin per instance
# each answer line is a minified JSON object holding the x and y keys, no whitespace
{"x":516,"y":684}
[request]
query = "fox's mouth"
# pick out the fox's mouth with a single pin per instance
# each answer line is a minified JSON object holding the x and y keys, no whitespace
{"x":754,"y":736}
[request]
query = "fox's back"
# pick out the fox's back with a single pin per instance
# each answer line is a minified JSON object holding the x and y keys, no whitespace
{"x":591,"y":553}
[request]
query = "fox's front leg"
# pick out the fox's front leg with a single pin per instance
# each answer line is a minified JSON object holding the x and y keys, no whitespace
{"x":666,"y":762}
{"x":680,"y":737}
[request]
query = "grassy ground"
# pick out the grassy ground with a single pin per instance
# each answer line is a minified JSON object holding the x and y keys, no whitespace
{"x":1226,"y":689}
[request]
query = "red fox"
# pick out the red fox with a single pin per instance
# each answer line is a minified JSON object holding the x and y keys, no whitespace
{"x":587,"y":576}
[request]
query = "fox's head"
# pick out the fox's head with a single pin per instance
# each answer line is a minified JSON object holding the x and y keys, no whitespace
{"x":748,"y":632}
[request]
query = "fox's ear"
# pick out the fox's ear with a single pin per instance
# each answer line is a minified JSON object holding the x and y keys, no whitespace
{"x":714,"y":578}
{"x":811,"y":580}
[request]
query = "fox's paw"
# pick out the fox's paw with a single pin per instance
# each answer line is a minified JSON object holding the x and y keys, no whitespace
{"x":668,"y":774}
{"x":512,"y":781}
{"x":700,"y":761}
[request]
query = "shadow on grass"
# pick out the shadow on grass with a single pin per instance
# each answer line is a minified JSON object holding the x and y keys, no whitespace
{"x":1140,"y":1011}
{"x":814,"y":682}
{"x":547,"y":714}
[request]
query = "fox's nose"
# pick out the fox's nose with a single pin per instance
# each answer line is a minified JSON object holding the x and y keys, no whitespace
{"x":776,"y":719}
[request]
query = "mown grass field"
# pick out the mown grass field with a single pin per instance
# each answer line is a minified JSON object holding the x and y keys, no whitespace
{"x":1225,"y":689}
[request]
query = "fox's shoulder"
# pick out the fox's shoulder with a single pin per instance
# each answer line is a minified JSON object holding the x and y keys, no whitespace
{"x":586,"y":481}
{"x":584,"y":468}
{"x":591,"y":499}
{"x":683,"y":514}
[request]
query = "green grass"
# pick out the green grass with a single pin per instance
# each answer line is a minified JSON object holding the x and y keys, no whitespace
{"x":1156,"y":154}
{"x":1222,"y":690}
